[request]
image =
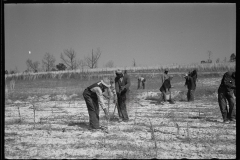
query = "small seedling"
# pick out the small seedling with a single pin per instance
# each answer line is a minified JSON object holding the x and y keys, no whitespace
{"x":153,"y":138}
{"x":19,"y":113}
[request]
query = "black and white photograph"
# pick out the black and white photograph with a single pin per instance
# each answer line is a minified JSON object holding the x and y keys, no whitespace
{"x":119,"y":80}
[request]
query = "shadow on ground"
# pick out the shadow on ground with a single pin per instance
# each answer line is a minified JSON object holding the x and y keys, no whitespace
{"x":113,"y":119}
{"x":154,"y":100}
{"x":83,"y":125}
{"x":212,"y":120}
{"x":196,"y":117}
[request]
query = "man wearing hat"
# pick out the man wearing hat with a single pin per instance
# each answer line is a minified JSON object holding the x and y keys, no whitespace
{"x":166,"y":86}
{"x":141,"y":80}
{"x":93,"y":96}
{"x":191,"y":85}
{"x":165,"y":75}
{"x":226,"y":93}
{"x":122,"y":84}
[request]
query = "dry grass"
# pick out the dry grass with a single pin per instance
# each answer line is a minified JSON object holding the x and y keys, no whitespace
{"x":57,"y":128}
{"x":110,"y":72}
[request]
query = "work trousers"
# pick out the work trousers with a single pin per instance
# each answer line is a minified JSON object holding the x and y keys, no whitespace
{"x":190,"y":95}
{"x":143,"y":84}
{"x":93,"y":108}
{"x":223,"y":97}
{"x":122,"y":109}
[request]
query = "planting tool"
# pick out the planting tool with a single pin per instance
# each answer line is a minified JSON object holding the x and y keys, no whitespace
{"x":114,"y":108}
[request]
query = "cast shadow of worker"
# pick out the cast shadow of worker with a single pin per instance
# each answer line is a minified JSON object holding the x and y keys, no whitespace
{"x":154,"y":100}
{"x":208,"y":119}
{"x":83,"y":125}
{"x":113,"y":118}
{"x":211,"y":120}
{"x":157,"y":100}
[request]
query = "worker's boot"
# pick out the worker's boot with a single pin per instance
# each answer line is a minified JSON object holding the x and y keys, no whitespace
{"x":106,"y":113}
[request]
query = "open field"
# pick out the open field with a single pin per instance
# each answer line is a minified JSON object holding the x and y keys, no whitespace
{"x":47,"y":118}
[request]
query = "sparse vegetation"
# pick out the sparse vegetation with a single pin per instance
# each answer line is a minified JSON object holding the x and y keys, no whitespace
{"x":59,"y":127}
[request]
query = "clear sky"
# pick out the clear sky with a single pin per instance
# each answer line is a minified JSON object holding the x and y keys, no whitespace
{"x":152,"y":34}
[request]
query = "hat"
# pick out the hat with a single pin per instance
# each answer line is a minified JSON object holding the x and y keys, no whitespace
{"x":118,"y":71}
{"x":106,"y":82}
{"x":166,"y":70}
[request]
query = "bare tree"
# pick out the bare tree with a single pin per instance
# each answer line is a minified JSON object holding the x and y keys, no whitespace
{"x":70,"y":59}
{"x":109,"y":64}
{"x":48,"y":62}
{"x":92,"y":61}
{"x":32,"y":66}
{"x":81,"y":64}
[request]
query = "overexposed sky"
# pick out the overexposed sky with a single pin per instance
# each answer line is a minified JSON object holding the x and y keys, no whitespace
{"x":152,"y":34}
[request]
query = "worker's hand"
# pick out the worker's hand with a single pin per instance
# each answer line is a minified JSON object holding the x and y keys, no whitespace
{"x":106,"y":113}
{"x":123,"y":87}
{"x":124,"y":91}
{"x":107,"y":97}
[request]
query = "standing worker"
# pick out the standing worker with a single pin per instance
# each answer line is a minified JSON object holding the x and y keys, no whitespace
{"x":194,"y":76}
{"x":166,"y":87}
{"x":141,"y":80}
{"x":191,"y":86}
{"x":122,"y":84}
{"x":226,"y":93}
{"x":165,"y":76}
{"x":93,"y":96}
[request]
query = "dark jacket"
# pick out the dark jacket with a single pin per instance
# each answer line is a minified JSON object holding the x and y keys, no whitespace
{"x":191,"y":85}
{"x":166,"y":85}
{"x":122,"y":87}
{"x":194,"y":76}
{"x":228,"y":82}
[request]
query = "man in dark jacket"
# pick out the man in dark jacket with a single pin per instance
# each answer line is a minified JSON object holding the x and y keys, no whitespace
{"x":226,"y":93}
{"x":122,"y":84}
{"x":166,"y":86}
{"x":191,"y":86}
{"x":193,"y":74}
{"x":93,"y":96}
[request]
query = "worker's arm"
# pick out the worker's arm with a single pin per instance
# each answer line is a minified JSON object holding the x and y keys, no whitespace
{"x":127,"y":84}
{"x":99,"y":93}
{"x":229,"y":81}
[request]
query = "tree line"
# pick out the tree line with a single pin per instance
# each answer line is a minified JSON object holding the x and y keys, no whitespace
{"x":231,"y":59}
{"x":68,"y":59}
